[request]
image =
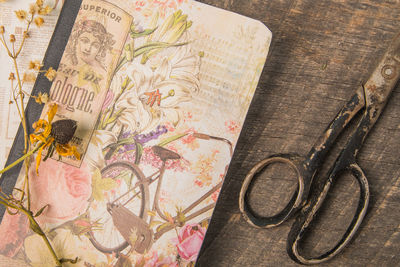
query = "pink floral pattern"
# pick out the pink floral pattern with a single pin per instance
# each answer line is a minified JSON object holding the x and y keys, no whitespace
{"x":13,"y":230}
{"x":204,"y":166}
{"x":150,"y":158}
{"x":190,"y":239}
{"x":232,"y":126}
{"x":155,"y":260}
{"x":66,"y":189}
{"x":163,"y":6}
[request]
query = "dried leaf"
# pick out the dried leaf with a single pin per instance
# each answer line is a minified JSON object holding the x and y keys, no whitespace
{"x":40,"y":211}
{"x":36,"y":228}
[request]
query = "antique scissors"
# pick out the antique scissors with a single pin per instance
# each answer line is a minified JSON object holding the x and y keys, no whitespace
{"x":371,"y":98}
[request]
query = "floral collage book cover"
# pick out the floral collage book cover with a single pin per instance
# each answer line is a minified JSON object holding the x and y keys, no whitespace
{"x":159,"y":91}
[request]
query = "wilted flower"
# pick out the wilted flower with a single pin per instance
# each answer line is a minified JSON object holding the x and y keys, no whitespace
{"x":33,"y":9}
{"x":12,"y":76}
{"x":45,"y":10}
{"x":39,"y":21}
{"x":41,"y":98}
{"x":50,"y":74}
{"x":21,"y":14}
{"x":39,"y":3}
{"x":12,"y":38}
{"x":34,"y":65}
{"x":54,"y":135}
{"x":2,"y":29}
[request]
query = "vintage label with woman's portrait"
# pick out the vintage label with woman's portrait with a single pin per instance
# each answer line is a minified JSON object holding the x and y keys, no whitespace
{"x":87,"y":65}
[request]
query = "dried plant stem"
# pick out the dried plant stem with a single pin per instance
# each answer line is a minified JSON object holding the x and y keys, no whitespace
{"x":24,"y":37}
{"x":24,"y":126}
{"x":11,"y":202}
{"x":21,"y":95}
{"x":44,"y":236}
{"x":25,"y":156}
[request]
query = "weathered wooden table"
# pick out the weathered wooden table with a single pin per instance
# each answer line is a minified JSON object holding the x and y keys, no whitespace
{"x":321,"y":51}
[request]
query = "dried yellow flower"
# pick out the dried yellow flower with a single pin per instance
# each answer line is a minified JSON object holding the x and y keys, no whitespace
{"x":44,"y":136}
{"x":26,"y":34}
{"x":50,"y":74}
{"x":39,"y":3}
{"x":34,"y":65}
{"x":21,"y":14}
{"x":2,"y":29}
{"x":29,"y":78}
{"x":45,"y":10}
{"x":39,"y":21}
{"x":33,"y":9}
{"x":41,"y":98}
{"x":11,"y":77}
{"x":12,"y":38}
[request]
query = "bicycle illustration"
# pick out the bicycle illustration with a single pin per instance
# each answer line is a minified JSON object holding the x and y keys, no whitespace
{"x":125,"y":218}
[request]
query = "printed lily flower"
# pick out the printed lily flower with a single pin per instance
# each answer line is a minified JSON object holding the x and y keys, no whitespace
{"x":158,"y":92}
{"x":170,"y":31}
{"x":94,"y":155}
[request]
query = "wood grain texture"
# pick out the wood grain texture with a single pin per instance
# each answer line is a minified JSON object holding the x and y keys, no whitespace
{"x":321,"y":51}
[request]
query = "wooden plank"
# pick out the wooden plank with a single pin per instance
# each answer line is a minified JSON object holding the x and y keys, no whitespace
{"x":321,"y":51}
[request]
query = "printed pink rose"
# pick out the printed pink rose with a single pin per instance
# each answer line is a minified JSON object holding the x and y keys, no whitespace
{"x":65,"y":188}
{"x":13,"y":230}
{"x":190,"y":239}
{"x":154,"y":260}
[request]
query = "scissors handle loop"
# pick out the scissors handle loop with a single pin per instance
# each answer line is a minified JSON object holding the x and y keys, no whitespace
{"x":291,"y":160}
{"x":309,"y":212}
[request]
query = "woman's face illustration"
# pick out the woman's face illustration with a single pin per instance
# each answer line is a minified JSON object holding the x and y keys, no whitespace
{"x":88,"y":47}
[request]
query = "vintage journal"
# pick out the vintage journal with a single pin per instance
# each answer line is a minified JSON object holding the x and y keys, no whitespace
{"x":159,"y":91}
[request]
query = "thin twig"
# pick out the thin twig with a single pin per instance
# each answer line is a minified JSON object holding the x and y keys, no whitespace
{"x":24,"y":36}
{"x":26,"y":155}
